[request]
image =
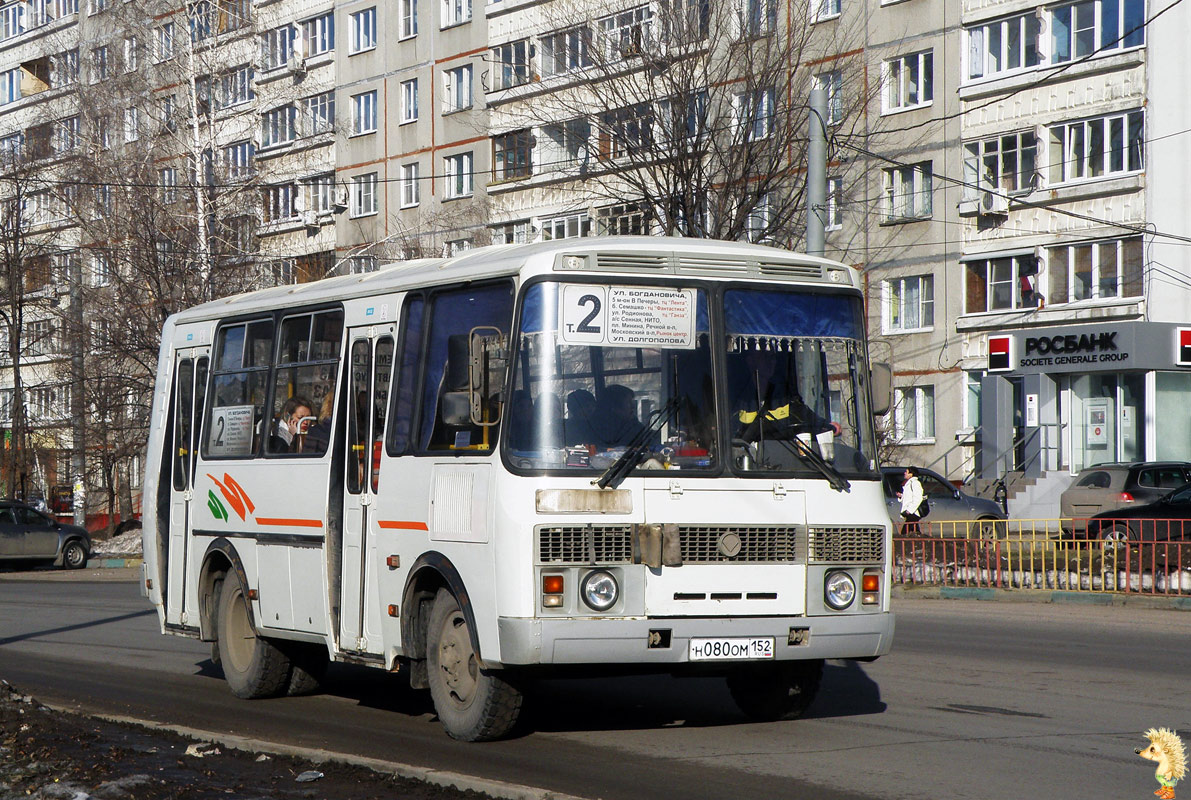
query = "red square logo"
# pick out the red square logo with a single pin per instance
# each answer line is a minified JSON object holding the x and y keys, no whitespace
{"x":999,"y":348}
{"x":1183,"y":347}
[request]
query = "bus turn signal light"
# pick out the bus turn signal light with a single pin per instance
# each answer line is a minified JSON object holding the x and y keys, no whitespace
{"x":870,"y":583}
{"x":870,"y":588}
{"x":551,"y":584}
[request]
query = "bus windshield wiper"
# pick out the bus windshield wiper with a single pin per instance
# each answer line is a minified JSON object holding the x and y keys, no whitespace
{"x":631,"y":457}
{"x":808,"y":455}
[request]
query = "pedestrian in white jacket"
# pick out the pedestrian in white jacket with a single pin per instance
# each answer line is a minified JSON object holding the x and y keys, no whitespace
{"x":911,"y":497}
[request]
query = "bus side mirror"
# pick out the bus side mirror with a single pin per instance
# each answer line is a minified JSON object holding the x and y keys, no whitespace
{"x":488,"y":364}
{"x":882,"y":385}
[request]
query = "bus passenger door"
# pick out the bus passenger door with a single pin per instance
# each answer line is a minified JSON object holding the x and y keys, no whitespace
{"x":371,"y":353}
{"x":190,"y":382}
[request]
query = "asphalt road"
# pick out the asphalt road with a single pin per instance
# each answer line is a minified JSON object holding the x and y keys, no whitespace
{"x":978,"y":700}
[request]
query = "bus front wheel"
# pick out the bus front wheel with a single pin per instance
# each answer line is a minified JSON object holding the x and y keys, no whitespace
{"x":774,"y":692}
{"x":473,"y":704}
{"x":252,"y":665}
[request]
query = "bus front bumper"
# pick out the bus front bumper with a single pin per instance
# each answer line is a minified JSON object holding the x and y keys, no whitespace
{"x":628,"y":641}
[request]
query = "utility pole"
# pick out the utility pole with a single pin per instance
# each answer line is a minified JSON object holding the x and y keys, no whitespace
{"x":78,"y":403}
{"x":816,"y":173}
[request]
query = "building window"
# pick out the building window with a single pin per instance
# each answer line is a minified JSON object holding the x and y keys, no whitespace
{"x":277,"y":47}
{"x":238,"y":160}
{"x":321,"y":193}
{"x":625,"y":34}
{"x":409,"y":101}
{"x":65,"y":69}
{"x":410,"y":192}
{"x":511,"y":63}
{"x":132,"y":53}
{"x":318,"y":34}
{"x":363,"y":31}
{"x":164,"y":39}
{"x":278,"y":126}
{"x":49,"y":403}
{"x":99,"y":64}
{"x":759,"y":222}
{"x":752,"y":114}
{"x":834,"y":218}
{"x":627,"y":131}
{"x":625,"y":219}
{"x":909,"y":81}
{"x":66,"y":136}
{"x":1094,"y":26}
{"x":235,"y":87}
{"x":199,"y":18}
{"x":564,"y":51}
{"x":457,"y":176}
{"x":914,"y":414}
{"x":1001,"y":284}
{"x":409,"y":18}
{"x":132,"y":124}
{"x":361,"y":265}
{"x":756,"y":17}
{"x":320,"y":113}
{"x":281,"y":202}
{"x":454,"y":247}
{"x":562,"y":145}
{"x":909,"y":304}
{"x":511,"y":155}
{"x":832,"y":84}
{"x":10,"y":86}
{"x":512,"y":233}
{"x":101,"y":270}
{"x":41,"y":336}
{"x":907,"y":192}
{"x":1095,"y":270}
{"x":455,"y":12}
{"x":168,"y":180}
{"x":456,"y":89}
{"x":825,"y":9}
{"x":1003,"y":46}
{"x":566,"y":226}
{"x":363,"y":197}
{"x":364,"y":113}
{"x":1002,"y":164}
{"x":1095,"y":148}
{"x":972,"y":391}
{"x":12,"y":20}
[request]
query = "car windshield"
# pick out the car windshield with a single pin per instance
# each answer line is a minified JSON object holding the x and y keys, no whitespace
{"x":604,"y":369}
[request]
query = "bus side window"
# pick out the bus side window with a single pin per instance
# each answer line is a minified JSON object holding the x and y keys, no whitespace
{"x":405,"y":389}
{"x":239,"y":380}
{"x":453,"y":314}
{"x":307,"y":366}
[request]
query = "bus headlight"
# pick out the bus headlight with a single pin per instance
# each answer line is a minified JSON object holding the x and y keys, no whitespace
{"x":839,"y":590}
{"x":599,"y":590}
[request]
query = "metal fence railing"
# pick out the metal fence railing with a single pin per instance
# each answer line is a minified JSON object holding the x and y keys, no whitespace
{"x":1143,"y":557}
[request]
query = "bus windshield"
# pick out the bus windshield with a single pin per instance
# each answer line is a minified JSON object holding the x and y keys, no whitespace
{"x":601,"y":369}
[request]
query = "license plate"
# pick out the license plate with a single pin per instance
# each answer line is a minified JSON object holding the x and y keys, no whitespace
{"x":734,"y":649}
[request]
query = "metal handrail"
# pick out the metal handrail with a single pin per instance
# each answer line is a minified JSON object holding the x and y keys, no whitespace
{"x":968,"y":440}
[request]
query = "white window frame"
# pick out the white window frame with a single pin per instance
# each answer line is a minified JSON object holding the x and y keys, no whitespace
{"x":921,"y":407}
{"x":510,"y":64}
{"x":321,"y":189}
{"x":319,"y":113}
{"x":1004,"y":164}
{"x":132,"y":124}
{"x":318,"y":34}
{"x":409,"y":101}
{"x":1073,"y":157}
{"x":239,"y":160}
{"x":833,"y":218}
{"x":823,"y":10}
{"x":565,"y":226}
{"x":993,"y":47}
{"x":456,"y":89}
{"x":1098,"y":256}
{"x":754,"y":114}
{"x":907,"y":82}
{"x":756,"y":18}
{"x":1023,"y":271}
{"x":907,"y":193}
{"x":458,"y":180}
{"x":910,"y":297}
{"x":364,"y":113}
{"x":10,"y":86}
{"x":101,"y":270}
{"x":362,"y":31}
{"x":167,"y":178}
{"x":832,"y":84}
{"x":278,"y":126}
{"x":625,"y":33}
{"x":12,"y":20}
{"x":364,"y":200}
{"x":409,"y":19}
{"x":410,"y":185}
{"x":759,"y":220}
{"x":278,"y":47}
{"x":455,"y":12}
{"x":1066,"y":23}
{"x":164,"y":42}
{"x":236,"y":87}
{"x":565,"y":51}
{"x":132,"y":51}
{"x":281,"y":202}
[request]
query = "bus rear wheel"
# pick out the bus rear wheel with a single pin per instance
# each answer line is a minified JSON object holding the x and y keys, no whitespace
{"x":473,"y":704}
{"x":252,"y":665}
{"x":774,"y":692}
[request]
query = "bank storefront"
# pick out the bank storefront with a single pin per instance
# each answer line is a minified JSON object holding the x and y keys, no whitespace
{"x":1074,"y":396}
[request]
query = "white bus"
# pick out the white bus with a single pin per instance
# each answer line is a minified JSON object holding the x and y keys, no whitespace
{"x":566,"y":458}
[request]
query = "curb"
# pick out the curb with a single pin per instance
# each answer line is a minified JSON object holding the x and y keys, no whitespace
{"x":501,"y":790}
{"x":1040,"y":596}
{"x":105,"y":562}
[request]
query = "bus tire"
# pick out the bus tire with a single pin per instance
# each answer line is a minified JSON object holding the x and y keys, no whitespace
{"x":776,"y":691}
{"x":252,"y":665}
{"x":473,"y":704}
{"x":310,"y":664}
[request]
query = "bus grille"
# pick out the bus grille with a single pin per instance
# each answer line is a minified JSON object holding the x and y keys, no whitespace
{"x":612,"y":544}
{"x":838,"y":543}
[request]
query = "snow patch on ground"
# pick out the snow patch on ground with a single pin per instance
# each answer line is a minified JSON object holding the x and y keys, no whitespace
{"x":126,"y":545}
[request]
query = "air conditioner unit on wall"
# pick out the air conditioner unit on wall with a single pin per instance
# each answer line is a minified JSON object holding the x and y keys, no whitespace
{"x":994,"y":203}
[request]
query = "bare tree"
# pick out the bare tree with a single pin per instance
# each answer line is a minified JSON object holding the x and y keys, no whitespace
{"x":687,"y":117}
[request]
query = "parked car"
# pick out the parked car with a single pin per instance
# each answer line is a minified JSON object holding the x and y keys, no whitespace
{"x":1167,"y":519}
{"x":1107,"y":487}
{"x":947,"y":504}
{"x":29,"y":536}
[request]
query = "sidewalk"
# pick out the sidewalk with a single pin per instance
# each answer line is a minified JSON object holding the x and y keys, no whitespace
{"x":1174,"y":602}
{"x":101,"y":570}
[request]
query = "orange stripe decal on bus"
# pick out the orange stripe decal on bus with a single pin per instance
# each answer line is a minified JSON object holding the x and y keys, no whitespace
{"x":402,"y":525}
{"x":291,"y":523}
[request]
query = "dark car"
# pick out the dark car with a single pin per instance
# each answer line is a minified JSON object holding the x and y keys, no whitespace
{"x":1167,"y":519}
{"x":1107,"y":487}
{"x":29,"y":536}
{"x":947,"y":504}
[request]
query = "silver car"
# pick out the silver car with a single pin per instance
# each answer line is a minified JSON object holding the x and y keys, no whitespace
{"x":28,"y":536}
{"x":947,"y":504}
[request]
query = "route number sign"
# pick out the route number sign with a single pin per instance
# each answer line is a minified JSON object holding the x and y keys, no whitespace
{"x":627,"y":316}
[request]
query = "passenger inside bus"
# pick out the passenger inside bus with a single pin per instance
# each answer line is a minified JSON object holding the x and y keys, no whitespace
{"x":319,"y":434}
{"x":293,"y":422}
{"x":578,"y":426}
{"x":616,"y":419}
